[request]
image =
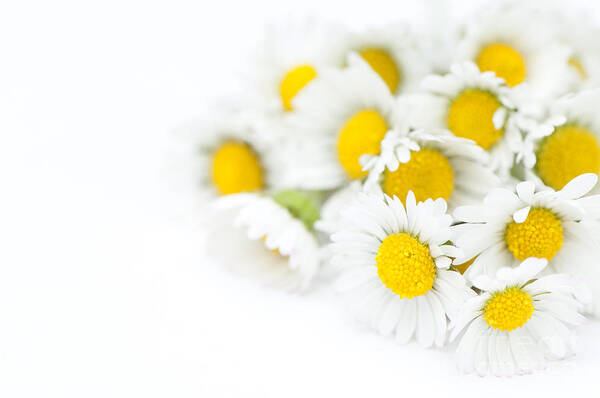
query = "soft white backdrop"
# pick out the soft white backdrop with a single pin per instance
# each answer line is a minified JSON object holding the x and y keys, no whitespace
{"x":104,"y":287}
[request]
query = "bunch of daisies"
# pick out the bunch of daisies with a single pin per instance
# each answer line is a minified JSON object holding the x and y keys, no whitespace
{"x":446,"y":179}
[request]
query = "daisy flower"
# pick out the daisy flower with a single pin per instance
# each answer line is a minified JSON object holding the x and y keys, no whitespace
{"x":393,"y":52}
{"x":510,"y":227}
{"x":517,"y":43}
{"x":229,"y":155}
{"x":431,"y":166}
{"x":291,"y":57}
{"x":340,"y":117}
{"x":584,"y":61}
{"x":477,"y":106}
{"x":394,"y":259}
{"x":571,"y":146}
{"x":576,"y":31}
{"x":275,"y":239}
{"x":584,"y":56}
{"x":517,"y":321}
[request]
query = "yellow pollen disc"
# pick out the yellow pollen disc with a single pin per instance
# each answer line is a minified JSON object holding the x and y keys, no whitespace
{"x":570,"y":151}
{"x":405,"y":265}
{"x":362,"y":134}
{"x":471,"y":116}
{"x":509,"y":309}
{"x":578,"y":66}
{"x":236,"y":168}
{"x":503,"y":60}
{"x":428,"y":174}
{"x":293,"y":82}
{"x":385,"y":66}
{"x":540,"y":235}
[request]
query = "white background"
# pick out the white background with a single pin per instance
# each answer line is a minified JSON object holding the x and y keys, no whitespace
{"x":104,"y":288}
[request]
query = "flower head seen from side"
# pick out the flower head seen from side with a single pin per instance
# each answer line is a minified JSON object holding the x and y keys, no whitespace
{"x":291,"y":57}
{"x":510,"y":227}
{"x":517,"y":321}
{"x":394,"y":261}
{"x":431,"y":166}
{"x":230,"y":155}
{"x":338,"y":119}
{"x":393,"y":52}
{"x":576,"y":32}
{"x":518,"y":44}
{"x":477,"y":106}
{"x":273,"y":239}
{"x":584,"y":59}
{"x":572,"y":146}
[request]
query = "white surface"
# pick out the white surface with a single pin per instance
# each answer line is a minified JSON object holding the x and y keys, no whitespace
{"x":104,"y":290}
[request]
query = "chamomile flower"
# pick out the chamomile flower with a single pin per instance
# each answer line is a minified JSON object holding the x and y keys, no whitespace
{"x":572,"y":146}
{"x":584,"y":56}
{"x":431,"y":166}
{"x":394,"y":260}
{"x":394,"y":172}
{"x":393,"y":52}
{"x":340,"y":117}
{"x":275,"y":239}
{"x":518,"y":44}
{"x":291,"y":57}
{"x":477,"y":106}
{"x":577,"y":32}
{"x":510,"y":227}
{"x":229,"y":155}
{"x":517,"y":321}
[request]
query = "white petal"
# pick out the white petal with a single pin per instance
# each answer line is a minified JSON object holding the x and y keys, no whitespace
{"x":407,"y":323}
{"x":425,"y":323}
{"x":482,"y":358}
{"x":525,"y":190}
{"x":493,"y":353}
{"x":354,"y":277}
{"x":439,"y":318}
{"x":467,"y":347}
{"x":443,"y":262}
{"x":499,"y":117}
{"x":505,"y":359}
{"x":391,"y":315}
{"x":470,"y":213}
{"x":521,"y":215}
{"x":529,"y":268}
{"x":520,"y":344}
{"x":579,"y":186}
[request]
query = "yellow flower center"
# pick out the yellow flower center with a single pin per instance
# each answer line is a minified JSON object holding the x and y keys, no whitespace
{"x":509,"y":309}
{"x":471,"y":116}
{"x":578,"y":66}
{"x":405,"y":265}
{"x":503,"y":60}
{"x":569,"y":152}
{"x":362,"y":134}
{"x":540,"y":235}
{"x":236,"y":168}
{"x":385,"y":66}
{"x":293,"y":82}
{"x":428,"y":174}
